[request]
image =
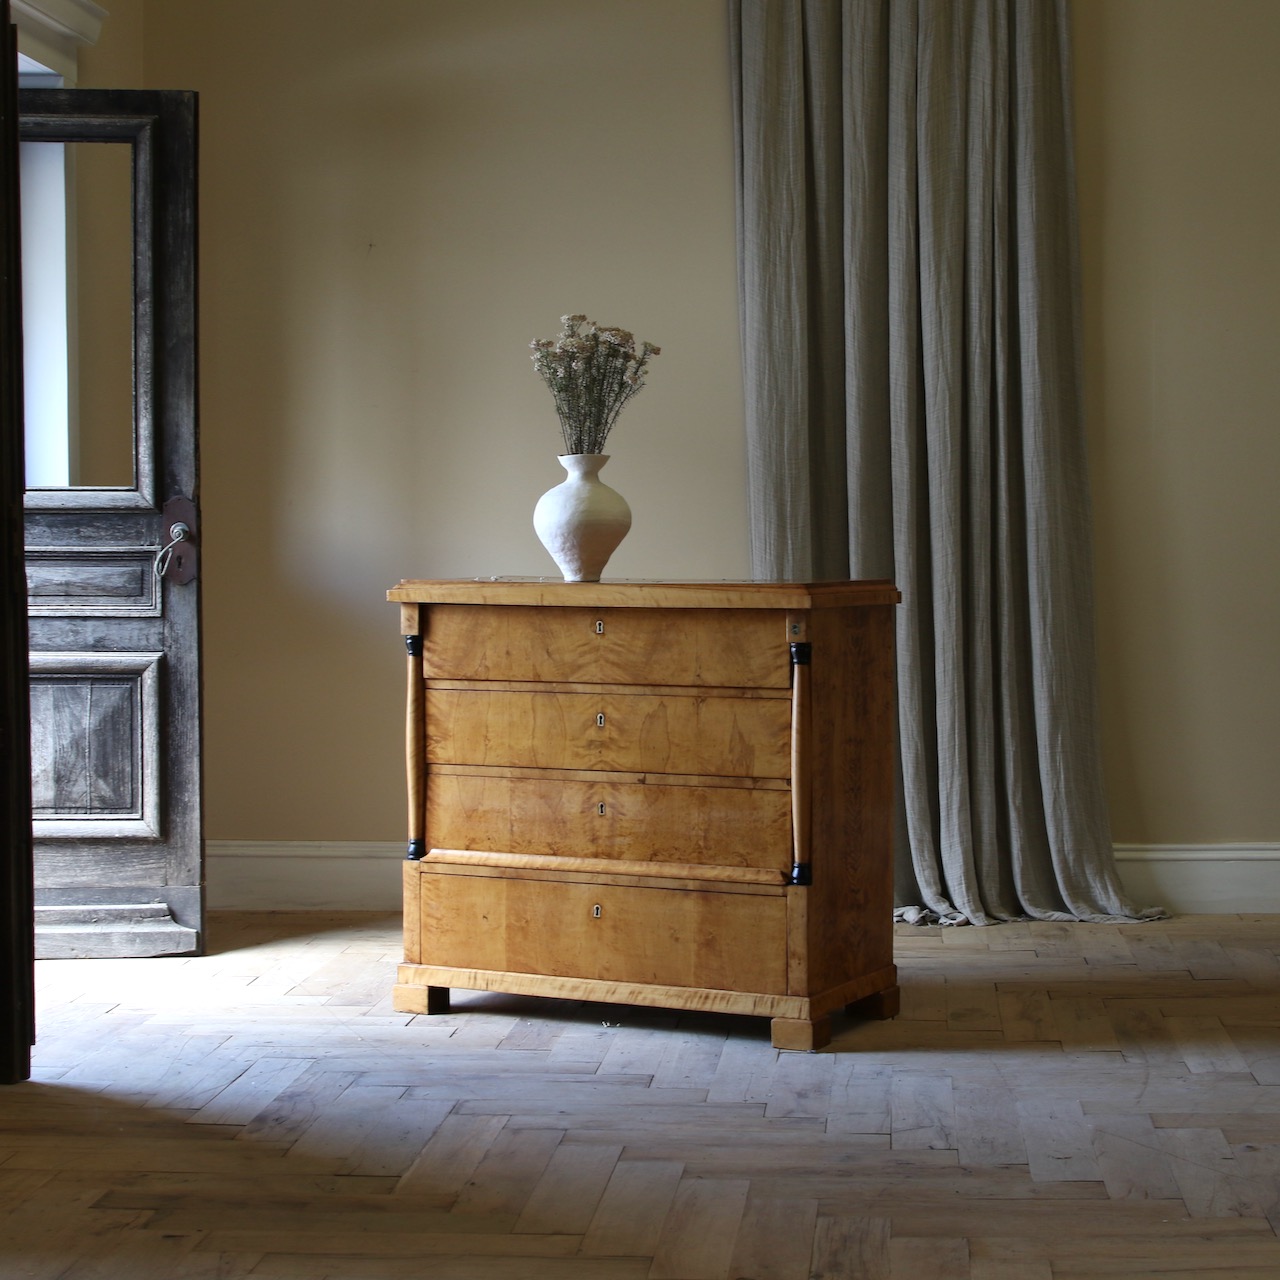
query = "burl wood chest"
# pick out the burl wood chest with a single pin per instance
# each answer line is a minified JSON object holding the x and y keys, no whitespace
{"x":672,"y":794}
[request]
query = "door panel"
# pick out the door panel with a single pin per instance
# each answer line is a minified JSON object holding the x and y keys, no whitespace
{"x":95,"y":745}
{"x":114,"y":624}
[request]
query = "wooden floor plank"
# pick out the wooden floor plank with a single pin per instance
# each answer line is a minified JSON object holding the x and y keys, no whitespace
{"x":1027,"y":1015}
{"x":923,"y":1110}
{"x":451,"y":1155}
{"x":801,"y":1085}
{"x":1132,"y":1160}
{"x":1144,"y":1253}
{"x":250,"y":1092}
{"x":565,"y":1199}
{"x":1083,"y":1025}
{"x":1205,"y":1044}
{"x":1059,"y":1148}
{"x":690,"y":1060}
{"x":389,"y":1146}
{"x":861,"y":1098}
{"x":987,"y":1128}
{"x":153,"y":1255}
{"x":295,"y":1212}
{"x":735,"y":1071}
{"x":701,"y":1229}
{"x":851,"y":1248}
{"x":991,"y":1269}
{"x":505,"y":1178}
{"x":908,"y":1191}
{"x":972,"y":1006}
{"x":322,"y":1243}
{"x":628,"y":1221}
{"x":295,"y":1109}
{"x":774,"y":1240}
{"x":940,"y":1259}
{"x":450,"y":1267}
{"x":1207,"y":1176}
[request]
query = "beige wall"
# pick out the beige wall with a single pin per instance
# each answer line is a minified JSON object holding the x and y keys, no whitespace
{"x":397,"y":197}
{"x":117,"y":60}
{"x":1177,"y":103}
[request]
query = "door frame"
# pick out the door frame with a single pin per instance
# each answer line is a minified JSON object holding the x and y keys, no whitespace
{"x":17,"y":955}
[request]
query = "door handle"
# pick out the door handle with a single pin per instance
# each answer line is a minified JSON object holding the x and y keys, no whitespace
{"x":176,"y":561}
{"x":178,"y":533}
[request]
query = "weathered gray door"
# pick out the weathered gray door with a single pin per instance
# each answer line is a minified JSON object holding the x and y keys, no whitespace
{"x":114,"y":615}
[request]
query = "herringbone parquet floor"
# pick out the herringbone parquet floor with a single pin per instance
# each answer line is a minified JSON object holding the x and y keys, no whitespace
{"x":1056,"y":1102}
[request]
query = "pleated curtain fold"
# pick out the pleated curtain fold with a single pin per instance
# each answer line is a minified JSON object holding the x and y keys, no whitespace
{"x":910,"y":317}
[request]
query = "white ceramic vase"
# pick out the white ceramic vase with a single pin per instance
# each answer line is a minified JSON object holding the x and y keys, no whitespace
{"x":581,"y":521}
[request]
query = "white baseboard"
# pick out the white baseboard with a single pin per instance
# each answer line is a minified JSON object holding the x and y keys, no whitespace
{"x":1202,"y":879}
{"x":301,"y":875}
{"x":298,"y":875}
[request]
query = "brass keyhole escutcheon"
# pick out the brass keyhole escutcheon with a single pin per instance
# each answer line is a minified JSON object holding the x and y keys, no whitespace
{"x":600,"y":808}
{"x":600,"y":720}
{"x":595,"y":911}
{"x":600,"y":627}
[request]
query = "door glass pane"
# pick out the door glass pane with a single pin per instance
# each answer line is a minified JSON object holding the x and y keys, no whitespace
{"x":77,"y":266}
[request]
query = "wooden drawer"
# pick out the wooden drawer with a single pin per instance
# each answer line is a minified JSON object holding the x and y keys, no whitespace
{"x":727,"y":648}
{"x":739,"y":826}
{"x":615,"y":933}
{"x":658,"y":733}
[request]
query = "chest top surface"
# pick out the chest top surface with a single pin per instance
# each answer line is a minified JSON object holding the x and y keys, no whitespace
{"x":644,"y":594}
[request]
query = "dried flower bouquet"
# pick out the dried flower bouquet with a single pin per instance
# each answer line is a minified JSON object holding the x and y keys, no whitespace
{"x":592,"y":372}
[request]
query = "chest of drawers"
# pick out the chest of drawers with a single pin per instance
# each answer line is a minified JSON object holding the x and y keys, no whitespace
{"x":672,"y":794}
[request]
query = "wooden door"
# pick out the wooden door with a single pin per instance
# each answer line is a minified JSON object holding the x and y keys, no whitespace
{"x":17,"y":993}
{"x":111,"y":560}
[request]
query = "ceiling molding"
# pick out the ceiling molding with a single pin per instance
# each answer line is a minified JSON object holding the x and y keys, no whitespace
{"x":52,"y":32}
{"x":76,"y":20}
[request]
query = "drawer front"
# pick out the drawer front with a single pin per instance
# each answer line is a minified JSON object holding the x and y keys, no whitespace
{"x":720,"y":826}
{"x":614,"y":933}
{"x":727,"y":648}
{"x":658,"y":733}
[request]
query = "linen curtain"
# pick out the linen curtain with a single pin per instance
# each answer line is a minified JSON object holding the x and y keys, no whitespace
{"x":909,"y":301}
